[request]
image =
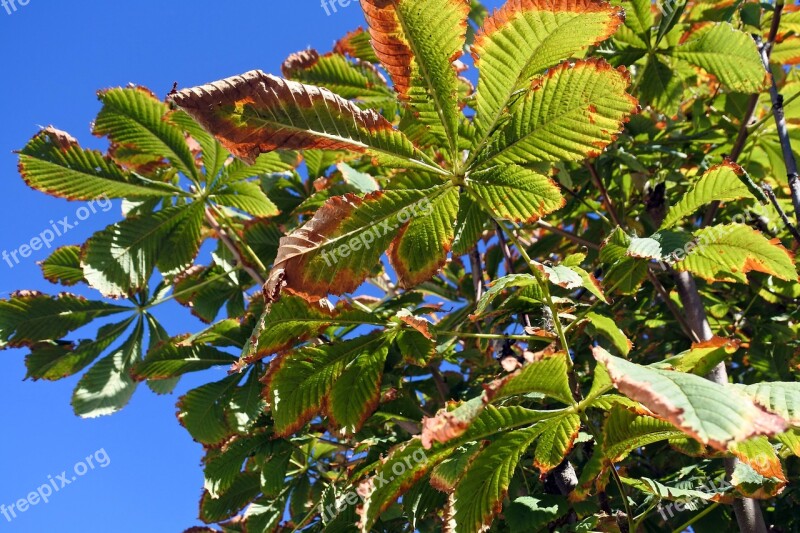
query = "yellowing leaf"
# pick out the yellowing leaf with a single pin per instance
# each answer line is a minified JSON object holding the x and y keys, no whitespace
{"x":728,"y":252}
{"x":256,"y":113}
{"x":573,"y":111}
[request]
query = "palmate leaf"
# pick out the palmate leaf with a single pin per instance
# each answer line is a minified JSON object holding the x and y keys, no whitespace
{"x":30,"y":317}
{"x":137,"y":124}
{"x":608,"y":328}
{"x":54,"y":361}
{"x":728,"y":252}
{"x":341,"y":380}
{"x":524,"y":38}
{"x":107,"y":387}
{"x":386,"y":486}
{"x":417,"y":42}
{"x":120,"y":259}
{"x":724,"y":183}
{"x":64,"y":266}
{"x":54,"y":163}
{"x":516,"y":193}
{"x":335,"y":251}
{"x":703,"y":356}
{"x":256,"y":113}
{"x":556,"y":441}
{"x":572,"y":112}
{"x":711,"y":413}
{"x":727,"y":53}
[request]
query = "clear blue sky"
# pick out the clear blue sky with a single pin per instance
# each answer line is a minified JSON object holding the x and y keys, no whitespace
{"x":55,"y":55}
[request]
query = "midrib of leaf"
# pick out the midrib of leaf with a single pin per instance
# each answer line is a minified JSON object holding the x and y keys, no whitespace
{"x":487,"y":134}
{"x":545,"y":125}
{"x":452,"y":136}
{"x":428,"y":164}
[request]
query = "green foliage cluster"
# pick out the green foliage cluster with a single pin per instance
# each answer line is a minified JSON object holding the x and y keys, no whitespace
{"x":449,"y":307}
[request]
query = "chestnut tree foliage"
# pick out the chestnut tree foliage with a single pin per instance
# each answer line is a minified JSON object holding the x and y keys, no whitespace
{"x":523,"y":271}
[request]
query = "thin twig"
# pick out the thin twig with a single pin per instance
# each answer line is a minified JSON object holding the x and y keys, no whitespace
{"x":607,"y":201}
{"x":226,"y":240}
{"x":566,"y":234}
{"x":781,"y":213}
{"x":523,"y":317}
{"x":783,"y":132}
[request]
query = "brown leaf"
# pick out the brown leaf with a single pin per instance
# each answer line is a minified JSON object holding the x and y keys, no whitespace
{"x":253,"y":113}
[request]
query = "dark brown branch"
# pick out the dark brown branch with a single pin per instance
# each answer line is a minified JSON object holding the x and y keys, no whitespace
{"x":607,"y":201}
{"x":477,"y":273}
{"x":786,"y":222}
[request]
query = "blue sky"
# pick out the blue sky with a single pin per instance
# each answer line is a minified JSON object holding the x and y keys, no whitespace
{"x":55,"y":56}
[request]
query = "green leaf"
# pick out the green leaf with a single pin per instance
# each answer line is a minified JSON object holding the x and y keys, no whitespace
{"x":137,"y":123}
{"x":556,"y":441}
{"x":523,"y":39}
{"x":529,"y":513}
{"x":292,"y":320}
{"x":727,"y":53}
{"x":723,"y":183}
{"x":120,"y":259}
{"x":245,"y":196}
{"x":422,"y":245}
{"x":107,"y":387}
{"x":479,"y":494}
{"x":54,"y":361}
{"x":500,"y":285}
{"x":386,"y":486}
{"x":202,"y":411}
{"x":728,"y":252}
{"x":516,"y":193}
{"x":64,"y":266}
{"x":625,"y":431}
{"x":638,"y":17}
{"x":663,"y":83}
{"x":417,"y":42}
{"x":54,"y":163}
{"x":607,"y":327}
{"x":470,"y":222}
{"x":256,"y":113}
{"x":223,"y":466}
{"x":711,"y":413}
{"x":703,"y":357}
{"x":780,"y":398}
{"x":625,"y":273}
{"x":326,"y":378}
{"x":172,"y":359}
{"x":241,"y":492}
{"x":29,"y":317}
{"x":548,"y":376}
{"x":336,"y":250}
{"x":572,"y":112}
{"x":352,"y":81}
{"x":264,"y":164}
